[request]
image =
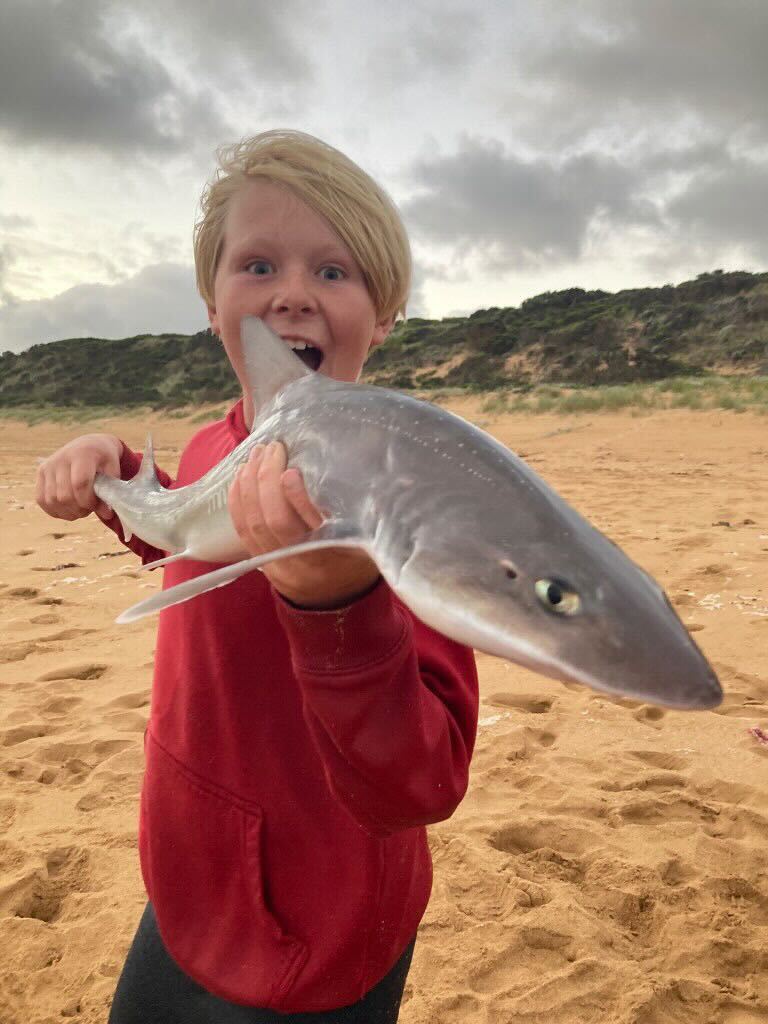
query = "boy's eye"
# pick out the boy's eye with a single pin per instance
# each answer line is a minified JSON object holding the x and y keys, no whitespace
{"x":260,"y":267}
{"x":332,"y":274}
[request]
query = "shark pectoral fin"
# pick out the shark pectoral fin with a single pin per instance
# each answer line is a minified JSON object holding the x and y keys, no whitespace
{"x":166,"y":561}
{"x":332,"y":534}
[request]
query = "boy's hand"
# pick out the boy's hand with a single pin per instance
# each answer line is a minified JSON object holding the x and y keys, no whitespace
{"x":64,"y":485}
{"x":270,"y":509}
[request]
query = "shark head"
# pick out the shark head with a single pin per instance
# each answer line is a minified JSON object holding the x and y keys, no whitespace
{"x":550,"y":592}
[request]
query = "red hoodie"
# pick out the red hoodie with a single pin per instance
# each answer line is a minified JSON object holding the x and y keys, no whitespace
{"x":293,"y":759}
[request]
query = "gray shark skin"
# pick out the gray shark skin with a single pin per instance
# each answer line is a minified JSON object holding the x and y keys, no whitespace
{"x":474,"y":542}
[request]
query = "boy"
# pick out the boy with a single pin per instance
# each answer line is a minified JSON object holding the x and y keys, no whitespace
{"x":305,"y":727}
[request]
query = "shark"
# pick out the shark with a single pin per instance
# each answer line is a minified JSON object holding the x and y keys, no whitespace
{"x":467,"y":535}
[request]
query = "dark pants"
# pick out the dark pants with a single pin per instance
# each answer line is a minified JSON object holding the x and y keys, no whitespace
{"x":153,"y":990}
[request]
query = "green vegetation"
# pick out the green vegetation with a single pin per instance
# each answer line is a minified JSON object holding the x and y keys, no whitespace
{"x":739,"y":394}
{"x":49,"y":413}
{"x":639,"y":348}
{"x":158,"y":371}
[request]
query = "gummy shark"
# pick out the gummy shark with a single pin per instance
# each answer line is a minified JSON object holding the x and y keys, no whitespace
{"x":466,"y":534}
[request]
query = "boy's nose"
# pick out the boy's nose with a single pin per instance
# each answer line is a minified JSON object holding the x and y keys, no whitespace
{"x":293,"y":295}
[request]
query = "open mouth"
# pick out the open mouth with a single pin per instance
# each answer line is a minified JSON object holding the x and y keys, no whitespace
{"x":308,"y":354}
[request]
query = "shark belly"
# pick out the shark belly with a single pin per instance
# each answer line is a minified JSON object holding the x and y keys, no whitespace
{"x":214,"y":539}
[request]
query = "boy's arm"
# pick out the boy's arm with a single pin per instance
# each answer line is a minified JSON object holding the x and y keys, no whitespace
{"x":392,"y":706}
{"x":64,"y":482}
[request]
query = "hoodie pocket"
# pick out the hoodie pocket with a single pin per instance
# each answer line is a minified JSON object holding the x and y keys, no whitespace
{"x":200,"y":850}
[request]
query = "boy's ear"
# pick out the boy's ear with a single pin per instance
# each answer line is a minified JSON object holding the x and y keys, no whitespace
{"x":381,"y":330}
{"x":213,"y":320}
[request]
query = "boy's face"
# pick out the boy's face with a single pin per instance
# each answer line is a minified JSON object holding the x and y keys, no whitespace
{"x":283,"y":262}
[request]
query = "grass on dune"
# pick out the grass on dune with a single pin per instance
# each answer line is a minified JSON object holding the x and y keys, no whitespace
{"x":70,"y":414}
{"x":32,"y":415}
{"x":738,"y":394}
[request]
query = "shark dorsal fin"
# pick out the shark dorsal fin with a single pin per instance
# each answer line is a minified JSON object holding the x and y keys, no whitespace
{"x":270,"y":365}
{"x":147,"y":475}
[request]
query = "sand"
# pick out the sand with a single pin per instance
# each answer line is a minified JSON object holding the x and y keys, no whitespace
{"x":610,"y":861}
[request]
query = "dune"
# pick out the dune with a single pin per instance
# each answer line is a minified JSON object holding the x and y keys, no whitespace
{"x":610,"y":860}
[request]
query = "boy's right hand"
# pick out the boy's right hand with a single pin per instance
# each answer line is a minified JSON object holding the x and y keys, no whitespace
{"x":64,"y":485}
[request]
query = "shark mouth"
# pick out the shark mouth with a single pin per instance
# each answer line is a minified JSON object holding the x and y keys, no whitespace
{"x":308,"y":354}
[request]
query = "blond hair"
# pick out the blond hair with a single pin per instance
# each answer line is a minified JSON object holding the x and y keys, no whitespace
{"x":358,"y":209}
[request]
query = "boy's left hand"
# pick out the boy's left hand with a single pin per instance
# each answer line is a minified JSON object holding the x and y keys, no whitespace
{"x":271,"y":509}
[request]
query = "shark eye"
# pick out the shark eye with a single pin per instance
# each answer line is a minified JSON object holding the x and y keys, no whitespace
{"x":558,"y":596}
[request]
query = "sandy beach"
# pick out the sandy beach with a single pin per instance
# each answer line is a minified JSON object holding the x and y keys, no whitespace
{"x":610,"y":861}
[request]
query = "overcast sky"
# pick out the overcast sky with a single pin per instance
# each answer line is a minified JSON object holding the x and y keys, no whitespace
{"x":530,"y":145}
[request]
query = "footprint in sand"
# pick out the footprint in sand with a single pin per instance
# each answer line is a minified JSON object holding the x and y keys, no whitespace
{"x":22,"y":733}
{"x":56,"y":568}
{"x":17,"y":651}
{"x":530,"y":703}
{"x":559,"y":843}
{"x":20,"y":770}
{"x":677,"y":872}
{"x":735,"y":891}
{"x":540,"y":737}
{"x":60,"y":705}
{"x":743,"y":690}
{"x":84,"y":670}
{"x":20,"y":716}
{"x":8,"y":812}
{"x":20,"y":651}
{"x":111,"y":787}
{"x":45,"y":619}
{"x":128,"y":721}
{"x":22,"y":592}
{"x":39,"y":891}
{"x":649,"y":714}
{"x":694,"y":542}
{"x":66,"y":634}
{"x":667,"y":809}
{"x":660,"y":759}
{"x":71,"y":763}
{"x":737,"y":704}
{"x":114,"y":788}
{"x":137,"y":699}
{"x":715,"y":569}
{"x":739,"y":822}
{"x":662,"y":781}
{"x":90,"y":752}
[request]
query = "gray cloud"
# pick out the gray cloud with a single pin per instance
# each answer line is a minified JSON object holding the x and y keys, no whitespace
{"x":726,"y":205}
{"x":420,"y":45}
{"x":255,"y":37}
{"x":417,"y":305}
{"x":92,"y":74}
{"x":518,"y":212}
{"x":64,"y":80}
{"x":6,"y":258}
{"x":15,"y":222}
{"x":160,"y":298}
{"x":696,"y":65}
